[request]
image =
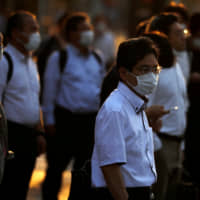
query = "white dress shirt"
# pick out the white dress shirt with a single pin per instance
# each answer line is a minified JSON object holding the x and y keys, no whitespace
{"x":21,"y":97}
{"x":77,"y":88}
{"x":184,"y":62}
{"x":123,"y":135}
{"x":170,"y":92}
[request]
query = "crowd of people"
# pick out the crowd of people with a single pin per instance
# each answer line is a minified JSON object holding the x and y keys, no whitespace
{"x":127,"y":118}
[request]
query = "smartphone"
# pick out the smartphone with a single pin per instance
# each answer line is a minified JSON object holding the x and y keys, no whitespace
{"x":174,"y":108}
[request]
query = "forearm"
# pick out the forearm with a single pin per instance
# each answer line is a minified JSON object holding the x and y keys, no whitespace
{"x":115,"y":182}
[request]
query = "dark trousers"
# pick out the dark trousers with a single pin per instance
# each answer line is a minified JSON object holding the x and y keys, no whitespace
{"x":18,"y":171}
{"x":137,"y":193}
{"x":169,"y":167}
{"x":74,"y":139}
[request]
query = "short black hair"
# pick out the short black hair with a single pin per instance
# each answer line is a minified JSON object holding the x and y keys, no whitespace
{"x":73,"y":20}
{"x":194,"y":25}
{"x":162,"y":22}
{"x":141,"y":27}
{"x":179,"y":8}
{"x":16,"y":21}
{"x":166,"y":57}
{"x":131,"y":51}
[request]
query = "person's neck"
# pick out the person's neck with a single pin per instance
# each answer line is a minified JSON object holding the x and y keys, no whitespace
{"x":139,"y":95}
{"x":83,"y":50}
{"x":19,"y":47}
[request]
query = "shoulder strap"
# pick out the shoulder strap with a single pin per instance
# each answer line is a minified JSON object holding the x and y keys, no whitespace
{"x":10,"y":71}
{"x":97,"y":56}
{"x":63,"y":56}
{"x":10,"y":65}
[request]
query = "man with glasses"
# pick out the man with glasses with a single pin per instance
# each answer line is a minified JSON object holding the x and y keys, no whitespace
{"x":171,"y":93}
{"x":123,"y":157}
{"x":169,"y":24}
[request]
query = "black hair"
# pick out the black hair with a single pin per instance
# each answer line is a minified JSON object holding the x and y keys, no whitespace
{"x":110,"y":82}
{"x":16,"y":21}
{"x":166,"y":57}
{"x":73,"y":20}
{"x":131,"y":51}
{"x":162,"y":22}
{"x":179,"y":8}
{"x":194,"y":25}
{"x":141,"y":27}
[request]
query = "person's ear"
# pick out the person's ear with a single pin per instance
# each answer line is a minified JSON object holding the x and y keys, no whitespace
{"x":17,"y":34}
{"x":123,"y":73}
{"x":126,"y":76}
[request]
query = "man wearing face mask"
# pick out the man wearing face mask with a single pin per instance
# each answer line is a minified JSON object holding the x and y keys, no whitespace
{"x":123,"y":158}
{"x":175,"y":123}
{"x":181,"y":48}
{"x":20,"y":98}
{"x":71,"y":99}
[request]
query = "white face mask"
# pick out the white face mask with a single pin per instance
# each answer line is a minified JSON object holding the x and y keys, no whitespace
{"x":33,"y":42}
{"x":145,"y":83}
{"x":87,"y":38}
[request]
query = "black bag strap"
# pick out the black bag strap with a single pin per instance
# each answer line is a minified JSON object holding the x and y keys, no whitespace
{"x":63,"y":57}
{"x":10,"y":66}
{"x":97,"y":56}
{"x":10,"y":71}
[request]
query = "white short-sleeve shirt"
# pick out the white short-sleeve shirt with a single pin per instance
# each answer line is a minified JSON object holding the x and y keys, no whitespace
{"x":123,"y":135}
{"x":171,"y":91}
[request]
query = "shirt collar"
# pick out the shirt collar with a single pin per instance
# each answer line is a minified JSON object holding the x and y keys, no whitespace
{"x":16,"y":53}
{"x":73,"y":49}
{"x":137,"y":102}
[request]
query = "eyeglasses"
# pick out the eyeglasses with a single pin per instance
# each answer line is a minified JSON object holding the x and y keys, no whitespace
{"x":144,"y":69}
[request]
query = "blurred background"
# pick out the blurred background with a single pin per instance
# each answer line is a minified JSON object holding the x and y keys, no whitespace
{"x":122,"y":15}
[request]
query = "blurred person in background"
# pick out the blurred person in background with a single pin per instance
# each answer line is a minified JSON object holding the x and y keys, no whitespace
{"x":184,"y":55}
{"x":20,"y":98}
{"x":165,"y":95}
{"x":71,"y":99}
{"x":174,"y":124}
{"x":181,"y":10}
{"x":104,"y":39}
